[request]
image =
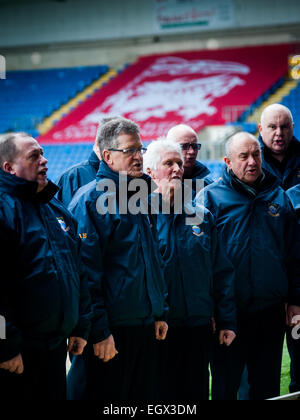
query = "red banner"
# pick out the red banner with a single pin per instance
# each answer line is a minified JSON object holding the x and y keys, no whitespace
{"x":161,"y":91}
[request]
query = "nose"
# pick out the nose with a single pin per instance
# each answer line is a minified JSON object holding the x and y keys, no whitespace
{"x":44,"y":161}
{"x":278,"y":131}
{"x":177,"y":168}
{"x":251,"y":160}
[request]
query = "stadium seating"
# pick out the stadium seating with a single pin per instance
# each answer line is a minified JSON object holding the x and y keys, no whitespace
{"x":30,"y":96}
{"x":292,"y":102}
{"x":61,"y":157}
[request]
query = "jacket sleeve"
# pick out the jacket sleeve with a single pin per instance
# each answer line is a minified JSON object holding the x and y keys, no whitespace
{"x":10,"y":336}
{"x":224,"y":285}
{"x":85,"y":308}
{"x":93,"y":244}
{"x":67,"y":187}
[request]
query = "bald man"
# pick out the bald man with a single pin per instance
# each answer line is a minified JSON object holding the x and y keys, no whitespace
{"x":188,"y":140}
{"x":280,"y":149}
{"x":256,"y":224}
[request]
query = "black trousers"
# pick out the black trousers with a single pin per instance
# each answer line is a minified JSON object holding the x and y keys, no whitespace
{"x":259,"y":345}
{"x":184,"y":364}
{"x":43,"y":379}
{"x":131,"y":375}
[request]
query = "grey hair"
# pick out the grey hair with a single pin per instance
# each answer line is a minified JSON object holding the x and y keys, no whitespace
{"x":229,"y":143}
{"x":153,"y":155}
{"x":108,"y":133}
{"x":8,"y":146}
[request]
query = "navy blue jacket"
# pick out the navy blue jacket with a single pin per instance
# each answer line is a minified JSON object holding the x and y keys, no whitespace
{"x":75,"y":177}
{"x":258,"y":232}
{"x":122,"y":260}
{"x":200,"y":171}
{"x":294,"y":194}
{"x":43,"y":291}
{"x":290,"y":176}
{"x":198,"y":274}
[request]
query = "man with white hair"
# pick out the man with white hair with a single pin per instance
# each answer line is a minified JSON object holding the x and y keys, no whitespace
{"x":188,"y":140}
{"x":280,"y":149}
{"x":257,"y":224}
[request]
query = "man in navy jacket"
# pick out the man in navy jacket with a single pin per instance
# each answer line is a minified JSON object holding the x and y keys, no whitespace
{"x":294,"y":345}
{"x":125,"y":274}
{"x":199,"y":277}
{"x":257,"y":225}
{"x":280,"y":149}
{"x":281,"y":157}
{"x":43,"y":292}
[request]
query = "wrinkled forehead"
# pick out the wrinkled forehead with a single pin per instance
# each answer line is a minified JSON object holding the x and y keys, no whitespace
{"x":187,"y":137}
{"x":246,"y":145}
{"x":170,"y":155}
{"x":126,"y":141}
{"x":26,"y":145}
{"x":275,"y":117}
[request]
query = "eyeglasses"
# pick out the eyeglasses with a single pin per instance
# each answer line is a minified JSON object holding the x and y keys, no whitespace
{"x":130,"y":152}
{"x":194,"y":146}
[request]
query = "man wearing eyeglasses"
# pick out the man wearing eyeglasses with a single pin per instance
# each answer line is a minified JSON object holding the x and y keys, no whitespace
{"x":188,"y":140}
{"x":125,"y":275}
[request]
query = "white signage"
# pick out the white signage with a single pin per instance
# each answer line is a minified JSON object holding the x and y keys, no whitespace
{"x":191,"y":14}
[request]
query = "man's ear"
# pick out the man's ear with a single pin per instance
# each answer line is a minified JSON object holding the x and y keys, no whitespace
{"x":227,"y":161}
{"x":259,"y":128}
{"x":7,"y":167}
{"x":107,"y":157}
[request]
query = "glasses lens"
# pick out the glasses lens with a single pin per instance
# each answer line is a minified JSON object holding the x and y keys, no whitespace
{"x":194,"y":146}
{"x":134,"y":151}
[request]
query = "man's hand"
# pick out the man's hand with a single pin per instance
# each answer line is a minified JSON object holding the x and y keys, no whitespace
{"x":293,"y":315}
{"x":14,"y":365}
{"x":76,"y":345}
{"x":161,"y":329}
{"x":106,"y":350}
{"x":226,"y":337}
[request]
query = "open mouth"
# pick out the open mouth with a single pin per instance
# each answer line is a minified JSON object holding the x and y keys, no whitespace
{"x":43,"y":172}
{"x":252,"y":171}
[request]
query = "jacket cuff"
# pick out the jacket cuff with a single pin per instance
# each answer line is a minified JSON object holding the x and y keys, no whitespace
{"x":9,"y":349}
{"x":101,"y":335}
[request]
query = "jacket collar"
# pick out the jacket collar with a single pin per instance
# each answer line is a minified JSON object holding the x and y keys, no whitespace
{"x":264,"y":183}
{"x":94,"y":161}
{"x":24,"y":189}
{"x":199,"y":171}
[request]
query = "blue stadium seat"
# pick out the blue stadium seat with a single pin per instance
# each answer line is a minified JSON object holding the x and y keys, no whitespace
{"x":32,"y":95}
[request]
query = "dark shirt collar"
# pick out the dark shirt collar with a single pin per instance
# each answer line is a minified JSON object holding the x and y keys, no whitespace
{"x":94,"y":161}
{"x":26,"y":190}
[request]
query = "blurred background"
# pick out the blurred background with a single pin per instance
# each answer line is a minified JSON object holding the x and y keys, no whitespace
{"x":211,"y":64}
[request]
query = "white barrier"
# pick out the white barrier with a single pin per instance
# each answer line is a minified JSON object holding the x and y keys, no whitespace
{"x":288,"y":397}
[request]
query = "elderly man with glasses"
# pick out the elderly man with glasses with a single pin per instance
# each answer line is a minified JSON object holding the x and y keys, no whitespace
{"x":193,"y":169}
{"x":125,"y":274}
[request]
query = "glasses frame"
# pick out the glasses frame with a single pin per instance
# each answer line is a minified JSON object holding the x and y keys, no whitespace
{"x":129,"y":152}
{"x":194,"y":146}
